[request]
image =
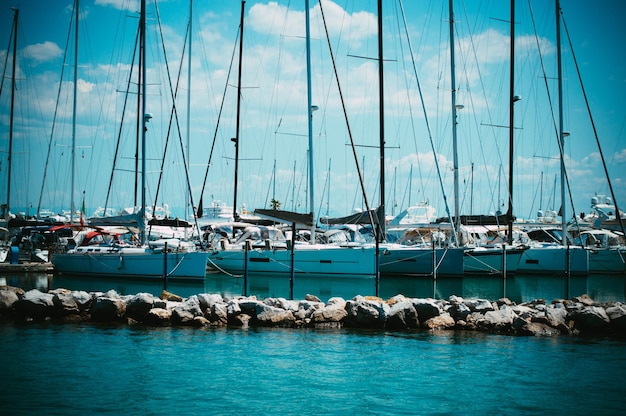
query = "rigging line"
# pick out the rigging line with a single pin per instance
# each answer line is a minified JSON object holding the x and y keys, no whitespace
{"x":6,"y":59}
{"x":618,"y":214}
{"x":411,"y":118}
{"x":343,"y":106}
{"x":430,"y":136}
{"x":54,"y":117}
{"x":489,"y":115}
{"x":119,"y":133}
{"x":556,"y":130}
{"x":219,"y":116}
{"x":173,"y":109}
{"x":175,"y":112}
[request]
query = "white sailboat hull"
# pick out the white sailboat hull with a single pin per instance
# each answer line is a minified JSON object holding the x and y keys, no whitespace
{"x":554,"y":259}
{"x":607,"y":260}
{"x":324,"y":260}
{"x":482,"y":260}
{"x":139,"y":262}
{"x":396,"y":260}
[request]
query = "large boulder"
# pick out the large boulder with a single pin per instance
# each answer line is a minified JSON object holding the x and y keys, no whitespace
{"x":8,"y":296}
{"x":65,"y":303}
{"x":426,"y":308}
{"x":617,"y":315}
{"x":402,"y":315}
{"x":442,"y":321}
{"x":267,"y":315}
{"x":158,"y":317}
{"x":208,"y":300}
{"x":366,"y":312}
{"x":138,"y":306}
{"x":186,"y":311}
{"x":591,"y":319}
{"x":537,"y":329}
{"x":500,"y":320}
{"x":306,"y":308}
{"x":108,"y":308}
{"x":331,"y":315}
{"x":34,"y":305}
{"x":218,"y":315}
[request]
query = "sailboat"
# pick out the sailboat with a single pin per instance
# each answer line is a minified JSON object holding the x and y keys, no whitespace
{"x":430,"y":253}
{"x":5,"y":244}
{"x":105,"y":251}
{"x":560,"y":257}
{"x":502,"y":257}
{"x":257,"y":254}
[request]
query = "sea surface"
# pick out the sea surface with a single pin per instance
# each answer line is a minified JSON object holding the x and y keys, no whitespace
{"x":78,"y":369}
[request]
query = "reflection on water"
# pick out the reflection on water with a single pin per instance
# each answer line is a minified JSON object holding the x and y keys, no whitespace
{"x":519,"y":288}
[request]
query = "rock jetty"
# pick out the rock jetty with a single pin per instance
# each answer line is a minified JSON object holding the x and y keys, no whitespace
{"x":577,"y":316}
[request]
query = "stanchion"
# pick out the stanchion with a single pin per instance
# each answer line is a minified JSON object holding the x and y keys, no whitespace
{"x":434,"y":256}
{"x":292,"y":266}
{"x":504,"y":270}
{"x":246,"y":248}
{"x":165,"y":267}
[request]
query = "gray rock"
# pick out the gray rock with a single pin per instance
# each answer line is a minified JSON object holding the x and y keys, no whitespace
{"x":186,"y":311}
{"x":306,"y":308}
{"x":585,"y":300}
{"x":219,"y":314}
{"x":459,"y":311}
{"x":312,"y":298}
{"x":617,"y":315}
{"x":207,"y":301}
{"x":138,"y":306}
{"x":329,"y":316}
{"x":402,"y":315}
{"x":35,"y":305}
{"x":83,"y":299}
{"x":107,"y":309}
{"x":427,"y":308}
{"x":443,"y":321}
{"x":537,"y":329}
{"x":500,"y":320}
{"x":555,"y":316}
{"x":478,"y":305}
{"x":591,"y":319}
{"x":267,"y":315}
{"x":158,"y":317}
{"x":65,"y":304}
{"x":8,"y":296}
{"x":366,"y":312}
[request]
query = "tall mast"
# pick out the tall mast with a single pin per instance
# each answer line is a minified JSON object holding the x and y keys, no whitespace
{"x":561,"y":132}
{"x":144,"y":117}
{"x":310,"y":119}
{"x":16,"y":13}
{"x":509,"y":214}
{"x":72,"y":202}
{"x":236,"y":139}
{"x":187,"y":198}
{"x":381,"y":116}
{"x":455,"y":156}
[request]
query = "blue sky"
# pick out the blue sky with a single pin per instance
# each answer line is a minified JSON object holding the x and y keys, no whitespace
{"x":273,"y":142}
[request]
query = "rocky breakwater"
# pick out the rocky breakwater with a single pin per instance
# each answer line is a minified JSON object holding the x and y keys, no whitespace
{"x":579,"y":315}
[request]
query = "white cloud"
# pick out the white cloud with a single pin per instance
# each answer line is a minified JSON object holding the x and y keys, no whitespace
{"x":275,"y":19}
{"x":42,"y":52}
{"x":132,"y":5}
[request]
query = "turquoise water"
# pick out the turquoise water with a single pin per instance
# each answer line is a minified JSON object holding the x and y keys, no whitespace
{"x":82,"y":369}
{"x":87,"y":369}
